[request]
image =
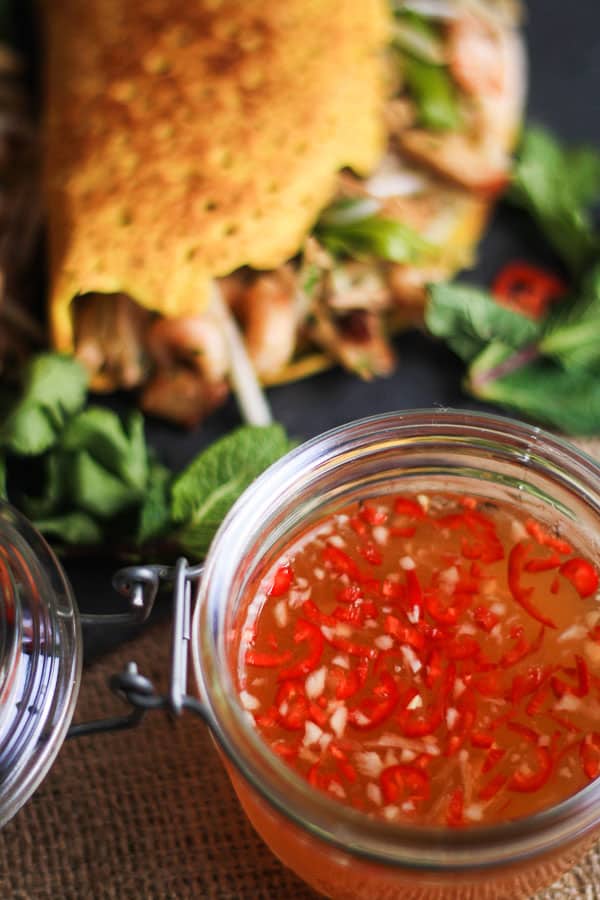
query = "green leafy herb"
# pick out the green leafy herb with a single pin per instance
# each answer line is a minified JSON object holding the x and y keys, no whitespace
{"x":468,"y":318}
{"x":572,"y":333}
{"x":54,"y":389}
{"x":206,"y":490}
{"x":567,"y":400}
{"x":118,"y":447}
{"x":349,"y":228}
{"x":93,"y":481}
{"x":556,"y":185}
{"x":434,"y":93}
{"x":74,"y":528}
{"x":418,"y":36}
{"x":155,"y":513}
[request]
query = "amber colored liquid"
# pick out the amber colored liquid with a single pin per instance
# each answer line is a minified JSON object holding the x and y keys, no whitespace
{"x":471,"y":706}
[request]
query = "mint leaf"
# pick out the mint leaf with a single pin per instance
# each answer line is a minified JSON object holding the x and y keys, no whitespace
{"x":54,"y":388}
{"x":203,"y":494}
{"x":468,"y":318}
{"x":434,"y":93}
{"x":349,"y":228}
{"x":55,"y":471}
{"x":119,"y":447}
{"x":572,"y":335}
{"x":155,"y":512}
{"x":95,"y":490}
{"x":555,"y":186}
{"x":542,"y":390}
{"x":75,"y":528}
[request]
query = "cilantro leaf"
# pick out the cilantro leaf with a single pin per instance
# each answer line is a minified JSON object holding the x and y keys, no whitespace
{"x":119,"y":447}
{"x":54,"y":388}
{"x":349,"y":228}
{"x":572,"y":335}
{"x":97,"y":491}
{"x":556,"y":186}
{"x":203,"y":493}
{"x":467,"y":318}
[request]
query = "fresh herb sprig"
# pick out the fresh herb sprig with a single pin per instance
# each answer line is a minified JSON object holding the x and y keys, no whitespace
{"x":353,"y":227}
{"x":547,"y":368}
{"x":92,"y":481}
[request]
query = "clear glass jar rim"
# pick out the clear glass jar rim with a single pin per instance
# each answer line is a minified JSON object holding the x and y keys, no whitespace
{"x":276,"y":782}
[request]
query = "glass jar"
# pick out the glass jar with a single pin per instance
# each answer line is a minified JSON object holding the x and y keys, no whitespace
{"x":40,"y":659}
{"x":340,"y":852}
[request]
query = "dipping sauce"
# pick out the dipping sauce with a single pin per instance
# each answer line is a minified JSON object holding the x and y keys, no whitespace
{"x":428,"y":659}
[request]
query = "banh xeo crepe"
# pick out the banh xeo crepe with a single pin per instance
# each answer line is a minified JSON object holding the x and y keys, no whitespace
{"x":194,"y":145}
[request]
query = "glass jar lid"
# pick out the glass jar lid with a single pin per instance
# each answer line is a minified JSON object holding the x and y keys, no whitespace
{"x":40,"y":659}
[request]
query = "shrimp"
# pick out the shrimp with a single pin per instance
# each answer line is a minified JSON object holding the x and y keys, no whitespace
{"x":475,"y":56}
{"x":181,"y":396}
{"x":269,"y":312}
{"x":191,"y":361}
{"x":196,"y":342}
{"x":486,"y":60}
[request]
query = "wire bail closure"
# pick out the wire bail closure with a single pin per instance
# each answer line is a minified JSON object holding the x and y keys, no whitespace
{"x":140,"y":585}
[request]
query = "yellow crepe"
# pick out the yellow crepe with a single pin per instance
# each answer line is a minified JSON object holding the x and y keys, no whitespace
{"x":186,"y":138}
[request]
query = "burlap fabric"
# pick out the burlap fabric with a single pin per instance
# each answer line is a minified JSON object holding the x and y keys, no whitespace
{"x":150,"y":815}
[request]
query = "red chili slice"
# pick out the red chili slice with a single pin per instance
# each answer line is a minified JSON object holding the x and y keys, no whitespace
{"x":493,"y":757}
{"x":434,"y":667}
{"x":415,"y":724}
{"x":404,"y":506}
{"x":582,"y":575}
{"x":282,"y":581}
{"x":341,"y":562}
{"x":489,"y":790}
{"x":543,"y":565}
{"x":373,"y":515}
{"x":392,"y":590}
{"x":440,"y":613}
{"x":348,"y":594}
{"x":292,"y":699}
{"x":527,"y":288}
{"x":405,"y":634}
{"x":462,"y":647}
{"x":482,"y":739}
{"x":305,"y":631}
{"x":589,"y":751}
{"x":546,"y":539}
{"x":522,"y":594}
{"x":524,"y":730}
{"x":485,"y":618}
{"x":561,"y":688}
{"x":358,"y":526}
{"x":377,"y":709}
{"x":371,"y":553}
{"x":527,"y":682}
{"x":313,"y":614}
{"x":526,"y":782}
{"x":266,"y":660}
{"x":404,"y":782}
